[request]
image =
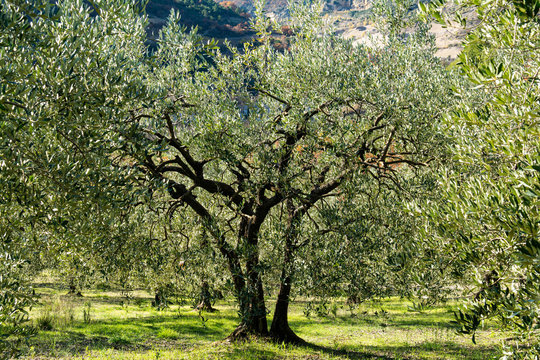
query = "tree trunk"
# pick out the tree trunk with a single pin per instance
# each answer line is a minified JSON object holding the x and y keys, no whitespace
{"x":205,"y":300}
{"x":160,"y":301}
{"x":253,"y":313}
{"x":253,"y":324}
{"x":256,"y":317}
{"x":280,"y":329}
{"x":73,"y":289}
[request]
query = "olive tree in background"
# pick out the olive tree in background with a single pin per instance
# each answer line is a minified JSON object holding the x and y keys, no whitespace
{"x":260,"y":134}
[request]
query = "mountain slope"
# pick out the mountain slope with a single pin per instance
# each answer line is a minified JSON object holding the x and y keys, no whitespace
{"x":279,"y":7}
{"x":212,"y":19}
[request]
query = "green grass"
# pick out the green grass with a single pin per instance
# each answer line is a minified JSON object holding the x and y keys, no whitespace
{"x":121,"y":329}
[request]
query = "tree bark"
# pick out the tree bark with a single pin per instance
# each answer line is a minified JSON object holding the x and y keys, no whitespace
{"x":160,"y":301}
{"x":205,"y":300}
{"x":253,"y":313}
{"x":280,"y":329}
{"x":73,"y":289}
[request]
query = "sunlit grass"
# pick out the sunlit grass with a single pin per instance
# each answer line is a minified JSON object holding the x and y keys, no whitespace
{"x":118,"y":328}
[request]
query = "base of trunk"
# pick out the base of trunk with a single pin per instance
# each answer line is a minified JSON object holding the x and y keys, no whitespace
{"x":75,"y":293}
{"x":204,"y":306}
{"x":241,"y":333}
{"x":160,"y":301}
{"x":244,"y":333}
{"x":284,"y":334}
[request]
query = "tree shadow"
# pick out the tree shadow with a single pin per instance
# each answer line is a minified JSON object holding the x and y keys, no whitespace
{"x":131,"y":334}
{"x":72,"y":343}
{"x":253,"y":353}
{"x":374,"y":320}
{"x":214,"y":329}
{"x":47,"y":284}
{"x":443,"y":349}
{"x":347,"y":354}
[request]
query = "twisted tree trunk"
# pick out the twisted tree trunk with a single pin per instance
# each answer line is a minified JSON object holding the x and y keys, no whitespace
{"x":280,"y":329}
{"x":253,"y":311}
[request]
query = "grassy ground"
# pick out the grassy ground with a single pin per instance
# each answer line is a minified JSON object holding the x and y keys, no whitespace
{"x":104,"y":325}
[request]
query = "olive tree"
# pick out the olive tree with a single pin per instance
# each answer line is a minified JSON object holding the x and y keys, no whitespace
{"x":241,"y":138}
{"x":65,"y":72}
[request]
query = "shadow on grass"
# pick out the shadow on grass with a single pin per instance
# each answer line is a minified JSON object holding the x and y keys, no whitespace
{"x":132,"y":334}
{"x":390,"y":321}
{"x":439,"y":350}
{"x":346,"y":354}
{"x":72,"y":343}
{"x":248,"y":352}
{"x":211,"y":327}
{"x":312,"y":352}
{"x":51,"y":285}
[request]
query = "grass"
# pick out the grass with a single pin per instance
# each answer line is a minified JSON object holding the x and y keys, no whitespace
{"x":121,"y":329}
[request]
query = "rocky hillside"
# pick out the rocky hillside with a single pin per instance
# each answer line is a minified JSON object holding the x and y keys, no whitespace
{"x":229,"y":19}
{"x":212,"y":19}
{"x":279,"y":7}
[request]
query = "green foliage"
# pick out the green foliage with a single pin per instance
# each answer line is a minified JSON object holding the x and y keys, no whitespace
{"x":87,"y":312}
{"x":64,"y":74}
{"x":490,"y":216}
{"x":392,"y":17}
{"x":16,"y":298}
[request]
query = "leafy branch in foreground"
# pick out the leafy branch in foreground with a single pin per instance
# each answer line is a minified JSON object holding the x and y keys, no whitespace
{"x":490,"y":215}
